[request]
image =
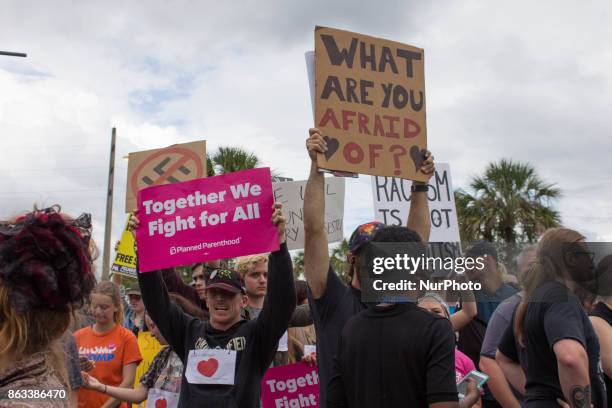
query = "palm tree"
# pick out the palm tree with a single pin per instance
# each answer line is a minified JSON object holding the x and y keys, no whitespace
{"x":338,"y":261}
{"x":509,"y":204}
{"x":231,"y":159}
{"x":210,"y":167}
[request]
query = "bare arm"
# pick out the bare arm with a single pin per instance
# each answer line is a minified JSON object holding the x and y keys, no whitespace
{"x":136,"y":395}
{"x":512,"y":371}
{"x":418,"y":218}
{"x":128,"y":374}
{"x":468,"y":311}
{"x":573,"y":366}
{"x":316,"y":255}
{"x":497,"y":383}
{"x":604,"y":334}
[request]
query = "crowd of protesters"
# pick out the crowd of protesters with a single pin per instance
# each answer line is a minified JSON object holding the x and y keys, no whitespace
{"x":531,"y":338}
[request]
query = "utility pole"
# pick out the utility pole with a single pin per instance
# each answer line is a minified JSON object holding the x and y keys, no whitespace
{"x":109,"y":210}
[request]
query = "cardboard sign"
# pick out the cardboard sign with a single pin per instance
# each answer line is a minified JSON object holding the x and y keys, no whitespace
{"x":162,"y":399}
{"x":172,"y":164}
{"x":291,"y":196}
{"x":392,"y":203}
{"x":125,"y":259}
{"x":293,"y":385}
{"x":149,"y":347}
{"x":370,"y":104}
{"x":211,"y":366}
{"x":206,"y":219}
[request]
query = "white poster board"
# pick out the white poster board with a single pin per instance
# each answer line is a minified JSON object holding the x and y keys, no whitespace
{"x":291,"y":195}
{"x":392,"y":203}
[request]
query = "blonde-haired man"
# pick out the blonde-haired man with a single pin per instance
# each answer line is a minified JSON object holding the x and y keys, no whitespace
{"x":254,"y":271}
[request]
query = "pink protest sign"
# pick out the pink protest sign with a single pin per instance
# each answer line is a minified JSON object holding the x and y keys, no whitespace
{"x":206,"y":219}
{"x":294,"y":385}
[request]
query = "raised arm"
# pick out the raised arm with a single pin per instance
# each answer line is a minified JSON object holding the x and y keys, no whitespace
{"x":175,"y":284}
{"x":279,"y":303}
{"x":418,"y":218}
{"x":171,"y":321}
{"x":316,"y":255}
{"x":468,"y":311}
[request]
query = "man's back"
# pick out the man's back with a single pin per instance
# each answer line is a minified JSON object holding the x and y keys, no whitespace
{"x":395,"y":356}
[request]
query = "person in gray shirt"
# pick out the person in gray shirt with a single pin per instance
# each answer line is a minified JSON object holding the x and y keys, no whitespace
{"x":500,"y":393}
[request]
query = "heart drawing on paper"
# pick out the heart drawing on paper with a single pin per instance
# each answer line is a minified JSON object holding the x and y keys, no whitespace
{"x":208,"y":368}
{"x":418,"y":156}
{"x":332,"y":146}
{"x":161,"y":403}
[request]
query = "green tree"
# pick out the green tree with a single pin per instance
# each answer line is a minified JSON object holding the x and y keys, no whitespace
{"x":338,"y":261}
{"x":231,"y":159}
{"x":298,"y":265}
{"x":210,"y":167}
{"x":509,"y":204}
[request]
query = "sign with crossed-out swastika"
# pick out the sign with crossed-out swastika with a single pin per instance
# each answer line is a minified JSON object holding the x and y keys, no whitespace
{"x":180,"y":162}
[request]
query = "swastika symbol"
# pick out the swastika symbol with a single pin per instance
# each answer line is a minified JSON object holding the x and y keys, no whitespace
{"x":159,"y":169}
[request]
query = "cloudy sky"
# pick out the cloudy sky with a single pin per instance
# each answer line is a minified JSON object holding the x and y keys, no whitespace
{"x":524,"y":80}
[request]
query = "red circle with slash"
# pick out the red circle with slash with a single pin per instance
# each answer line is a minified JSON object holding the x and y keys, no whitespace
{"x":185,"y":156}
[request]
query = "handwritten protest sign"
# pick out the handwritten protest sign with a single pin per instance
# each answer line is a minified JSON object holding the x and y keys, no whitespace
{"x":293,"y":385}
{"x":172,"y":164}
{"x":125,"y":259}
{"x":291,"y":195}
{"x":392,"y":204}
{"x":370,"y":104}
{"x":206,"y":219}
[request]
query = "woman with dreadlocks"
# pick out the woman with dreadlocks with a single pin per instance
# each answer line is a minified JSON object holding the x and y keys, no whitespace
{"x":45,"y":273}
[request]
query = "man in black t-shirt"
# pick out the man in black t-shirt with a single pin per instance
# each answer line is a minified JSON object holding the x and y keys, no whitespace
{"x":332,"y":302}
{"x":558,"y":317}
{"x":406,"y":359}
{"x":561,"y":360}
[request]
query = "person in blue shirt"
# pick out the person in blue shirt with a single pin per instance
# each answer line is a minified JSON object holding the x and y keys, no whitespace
{"x":493,"y":292}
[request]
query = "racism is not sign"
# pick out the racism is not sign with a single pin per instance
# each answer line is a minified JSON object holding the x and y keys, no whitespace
{"x":370,"y":104}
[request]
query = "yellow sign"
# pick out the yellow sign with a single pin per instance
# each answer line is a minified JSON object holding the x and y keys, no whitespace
{"x":149,"y":347}
{"x":125,"y":260}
